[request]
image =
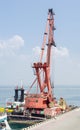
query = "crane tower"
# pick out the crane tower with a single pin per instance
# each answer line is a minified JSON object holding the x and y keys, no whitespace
{"x":42,"y":70}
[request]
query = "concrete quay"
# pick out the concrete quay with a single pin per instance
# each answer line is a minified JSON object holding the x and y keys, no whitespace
{"x":66,"y":121}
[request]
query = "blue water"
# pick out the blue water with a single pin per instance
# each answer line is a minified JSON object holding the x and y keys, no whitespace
{"x":5,"y":93}
{"x":70,"y":93}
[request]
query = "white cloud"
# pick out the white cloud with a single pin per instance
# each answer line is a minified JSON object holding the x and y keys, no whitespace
{"x":37,"y":50}
{"x":2,"y":45}
{"x":61,"y":52}
{"x":9,"y":46}
{"x":15,"y":42}
{"x":58,"y":52}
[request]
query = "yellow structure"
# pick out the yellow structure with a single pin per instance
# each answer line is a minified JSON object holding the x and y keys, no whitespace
{"x":62,"y":104}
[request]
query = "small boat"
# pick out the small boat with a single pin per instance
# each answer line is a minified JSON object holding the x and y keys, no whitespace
{"x":3,"y":121}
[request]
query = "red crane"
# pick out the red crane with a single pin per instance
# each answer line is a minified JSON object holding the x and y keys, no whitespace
{"x":42,"y":103}
{"x":42,"y":70}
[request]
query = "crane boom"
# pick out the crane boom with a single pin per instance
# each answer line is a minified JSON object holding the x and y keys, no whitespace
{"x":42,"y":70}
{"x":45,"y":67}
{"x":50,"y":35}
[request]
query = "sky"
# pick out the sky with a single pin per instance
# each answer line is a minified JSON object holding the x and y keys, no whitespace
{"x":22,"y":25}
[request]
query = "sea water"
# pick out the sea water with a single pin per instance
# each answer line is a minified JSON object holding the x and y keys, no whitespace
{"x":70,"y":93}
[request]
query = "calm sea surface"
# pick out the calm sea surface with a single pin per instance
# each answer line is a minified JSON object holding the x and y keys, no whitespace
{"x":70,"y":93}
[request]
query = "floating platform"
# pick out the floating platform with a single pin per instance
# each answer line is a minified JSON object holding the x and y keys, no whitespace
{"x":24,"y":119}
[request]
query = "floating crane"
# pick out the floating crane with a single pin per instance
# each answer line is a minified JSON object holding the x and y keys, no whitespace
{"x":42,"y":103}
{"x":41,"y":100}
